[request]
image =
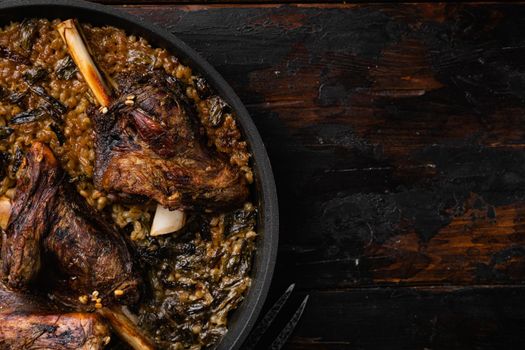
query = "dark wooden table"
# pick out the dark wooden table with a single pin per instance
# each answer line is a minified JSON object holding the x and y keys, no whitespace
{"x":396,"y":134}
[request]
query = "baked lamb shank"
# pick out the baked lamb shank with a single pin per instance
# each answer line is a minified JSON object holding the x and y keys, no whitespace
{"x":29,"y":322}
{"x":50,"y":221}
{"x":150,"y":145}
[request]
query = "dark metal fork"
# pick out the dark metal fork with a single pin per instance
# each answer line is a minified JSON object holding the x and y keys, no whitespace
{"x":265,"y":323}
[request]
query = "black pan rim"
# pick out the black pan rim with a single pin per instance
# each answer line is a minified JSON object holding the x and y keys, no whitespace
{"x":246,"y":315}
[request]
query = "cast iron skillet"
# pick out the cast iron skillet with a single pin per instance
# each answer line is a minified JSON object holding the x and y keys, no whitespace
{"x":243,"y":319}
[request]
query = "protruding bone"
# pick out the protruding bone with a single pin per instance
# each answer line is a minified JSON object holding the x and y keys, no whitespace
{"x":78,"y":50}
{"x":126,"y":329}
{"x":165,"y":221}
{"x":5,"y":211}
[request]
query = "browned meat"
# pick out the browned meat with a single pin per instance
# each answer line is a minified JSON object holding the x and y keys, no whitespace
{"x":37,"y":190}
{"x":149,"y":144}
{"x":90,"y":254}
{"x":49,"y":219}
{"x":27,"y":322}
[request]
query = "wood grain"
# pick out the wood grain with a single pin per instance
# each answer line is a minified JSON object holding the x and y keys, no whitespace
{"x":396,"y":137}
{"x":221,"y":3}
{"x":399,"y":318}
{"x":395,"y":133}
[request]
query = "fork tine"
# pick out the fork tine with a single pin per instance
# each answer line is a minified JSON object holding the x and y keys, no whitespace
{"x":267,"y":320}
{"x":281,"y":339}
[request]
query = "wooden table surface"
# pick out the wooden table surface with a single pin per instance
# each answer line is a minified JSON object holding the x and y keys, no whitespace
{"x":396,"y":134}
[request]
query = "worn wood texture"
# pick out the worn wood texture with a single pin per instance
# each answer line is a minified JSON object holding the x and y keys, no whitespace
{"x":401,"y":318}
{"x":316,"y":3}
{"x":396,"y":134}
{"x":397,"y":138}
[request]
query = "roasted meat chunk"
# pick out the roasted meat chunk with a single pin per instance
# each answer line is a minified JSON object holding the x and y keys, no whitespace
{"x":37,"y":189}
{"x":149,"y":144}
{"x":28,"y":322}
{"x":89,"y":254}
{"x":49,"y":219}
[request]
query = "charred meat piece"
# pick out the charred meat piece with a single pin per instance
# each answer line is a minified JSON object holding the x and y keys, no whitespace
{"x":37,"y":188}
{"x":70,"y":331}
{"x":27,"y":322}
{"x":49,"y":219}
{"x":148,"y":144}
{"x":90,"y":254}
